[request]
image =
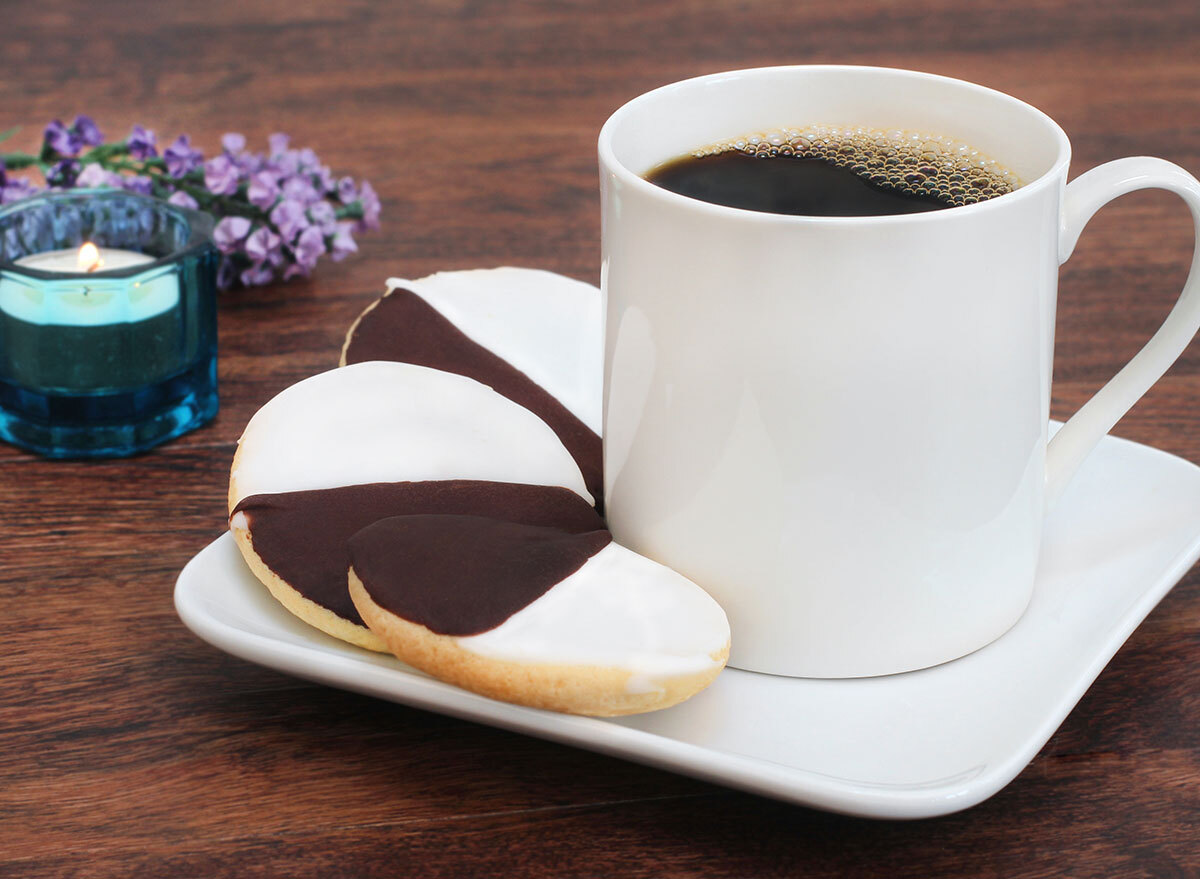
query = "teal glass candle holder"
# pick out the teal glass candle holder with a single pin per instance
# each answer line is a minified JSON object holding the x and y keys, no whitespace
{"x":108,"y":350}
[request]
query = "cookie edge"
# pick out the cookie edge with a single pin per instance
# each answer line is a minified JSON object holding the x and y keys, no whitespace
{"x":595,"y":691}
{"x":354,"y":326}
{"x":298,"y":605}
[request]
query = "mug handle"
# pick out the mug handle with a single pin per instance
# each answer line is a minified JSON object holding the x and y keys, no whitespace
{"x":1084,"y":196}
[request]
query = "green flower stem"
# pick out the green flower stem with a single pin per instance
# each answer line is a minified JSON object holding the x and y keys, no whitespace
{"x":17,"y":161}
{"x":115,"y":157}
{"x":135,"y":165}
{"x":101,"y":153}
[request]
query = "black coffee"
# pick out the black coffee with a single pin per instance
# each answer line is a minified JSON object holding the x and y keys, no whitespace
{"x":837,"y":172}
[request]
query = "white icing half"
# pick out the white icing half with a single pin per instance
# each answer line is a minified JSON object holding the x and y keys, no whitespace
{"x":394,"y":422}
{"x":547,"y":325}
{"x":619,"y":610}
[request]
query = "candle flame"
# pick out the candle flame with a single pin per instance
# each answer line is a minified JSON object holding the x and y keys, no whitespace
{"x":89,"y":258}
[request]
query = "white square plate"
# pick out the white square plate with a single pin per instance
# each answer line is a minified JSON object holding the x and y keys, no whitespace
{"x":906,"y":746}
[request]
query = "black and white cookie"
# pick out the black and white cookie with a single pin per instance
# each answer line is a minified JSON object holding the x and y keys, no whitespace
{"x":436,"y":497}
{"x":339,"y":450}
{"x":533,"y":336}
{"x":536,"y":616}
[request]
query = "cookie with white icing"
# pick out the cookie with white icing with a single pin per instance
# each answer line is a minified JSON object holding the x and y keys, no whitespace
{"x":346,"y":447}
{"x":462,"y":479}
{"x":534,"y":615}
{"x":533,"y":336}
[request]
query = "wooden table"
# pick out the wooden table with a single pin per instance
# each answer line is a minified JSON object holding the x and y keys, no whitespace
{"x":129,"y":747}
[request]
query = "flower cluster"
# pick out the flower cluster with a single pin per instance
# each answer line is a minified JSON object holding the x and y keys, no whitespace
{"x":277,"y":212}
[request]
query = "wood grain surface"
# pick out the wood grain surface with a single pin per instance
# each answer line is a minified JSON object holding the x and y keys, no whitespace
{"x":130,"y":748}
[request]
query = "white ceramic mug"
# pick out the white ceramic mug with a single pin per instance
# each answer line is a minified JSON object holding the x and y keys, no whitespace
{"x":838,"y":426}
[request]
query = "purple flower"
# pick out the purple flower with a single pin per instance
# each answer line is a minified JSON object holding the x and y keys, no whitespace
{"x":17,"y":188}
{"x":230,"y":233}
{"x":309,"y":247}
{"x":370,"y":207}
{"x":181,"y":199}
{"x":325,"y":180}
{"x":263,"y":190}
{"x":323,"y":216}
{"x":284,"y":164}
{"x":61,"y":140}
{"x":95,"y":175}
{"x":250,"y":163}
{"x":299,"y":188}
{"x":3,"y":178}
{"x":63,"y":173}
{"x":181,"y":158}
{"x":226,"y":273}
{"x":256,"y":275}
{"x":142,"y":143}
{"x":277,"y":209}
{"x":221,"y":175}
{"x":263,"y":245}
{"x":289,"y":218}
{"x":137,"y":183}
{"x":86,"y":131}
{"x":343,"y":243}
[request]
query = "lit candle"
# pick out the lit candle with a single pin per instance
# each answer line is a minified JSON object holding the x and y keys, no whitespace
{"x":109,"y":347}
{"x":86,"y":330}
{"x":91,"y":300}
{"x":88,"y":258}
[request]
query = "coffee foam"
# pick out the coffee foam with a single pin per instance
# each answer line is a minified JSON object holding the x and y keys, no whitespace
{"x":906,"y":161}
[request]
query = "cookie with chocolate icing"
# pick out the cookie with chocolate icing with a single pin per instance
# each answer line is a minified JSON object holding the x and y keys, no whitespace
{"x":339,"y":450}
{"x":535,"y":615}
{"x":437,"y":497}
{"x":533,"y":336}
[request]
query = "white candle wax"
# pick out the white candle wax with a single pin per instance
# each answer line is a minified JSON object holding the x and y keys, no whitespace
{"x":68,"y":260}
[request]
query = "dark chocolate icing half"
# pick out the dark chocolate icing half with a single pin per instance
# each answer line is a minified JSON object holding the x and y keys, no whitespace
{"x":463,"y":575}
{"x":302,"y":535}
{"x":404,"y":327}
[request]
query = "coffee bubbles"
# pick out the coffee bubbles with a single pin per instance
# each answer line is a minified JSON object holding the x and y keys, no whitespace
{"x":906,"y":162}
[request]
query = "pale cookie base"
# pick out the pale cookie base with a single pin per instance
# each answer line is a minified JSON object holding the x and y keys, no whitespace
{"x":354,"y":326}
{"x":233,"y":496}
{"x":305,"y":608}
{"x":573,"y":689}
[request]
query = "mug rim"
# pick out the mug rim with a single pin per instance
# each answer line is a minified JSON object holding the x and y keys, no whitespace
{"x":610,"y":162}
